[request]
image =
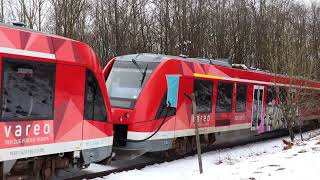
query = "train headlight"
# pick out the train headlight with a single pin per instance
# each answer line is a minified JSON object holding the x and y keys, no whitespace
{"x":126,"y":115}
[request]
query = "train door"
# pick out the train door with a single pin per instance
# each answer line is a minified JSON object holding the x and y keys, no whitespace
{"x":184,"y":107}
{"x":95,"y":124}
{"x":68,"y":104}
{"x":203,"y":90}
{"x":257,"y":107}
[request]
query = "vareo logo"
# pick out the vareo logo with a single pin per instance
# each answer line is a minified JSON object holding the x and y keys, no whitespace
{"x":27,"y":130}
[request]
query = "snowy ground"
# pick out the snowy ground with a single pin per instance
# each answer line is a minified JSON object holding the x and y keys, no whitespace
{"x":265,"y":160}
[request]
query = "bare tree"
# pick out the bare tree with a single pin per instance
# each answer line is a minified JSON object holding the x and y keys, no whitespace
{"x":251,"y":32}
{"x":67,"y":15}
{"x":293,"y":58}
{"x":31,"y":12}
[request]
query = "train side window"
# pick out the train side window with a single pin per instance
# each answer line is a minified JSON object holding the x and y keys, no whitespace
{"x":241,"y":98}
{"x":293,"y":94}
{"x":27,"y":90}
{"x":224,"y":99}
{"x":203,"y":95}
{"x":94,"y":106}
{"x":271,"y":95}
{"x":283,"y":95}
{"x":164,"y":110}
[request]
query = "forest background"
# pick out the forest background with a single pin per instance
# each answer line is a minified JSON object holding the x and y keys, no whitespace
{"x":257,"y":33}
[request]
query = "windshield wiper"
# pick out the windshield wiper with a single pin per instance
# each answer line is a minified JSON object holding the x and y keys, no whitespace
{"x":137,"y":65}
{"x":144,"y":73}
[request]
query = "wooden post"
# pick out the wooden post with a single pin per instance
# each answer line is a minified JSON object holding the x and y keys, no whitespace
{"x":196,"y":129}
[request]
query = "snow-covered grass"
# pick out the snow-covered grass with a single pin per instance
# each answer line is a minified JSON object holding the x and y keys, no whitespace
{"x":264,"y":160}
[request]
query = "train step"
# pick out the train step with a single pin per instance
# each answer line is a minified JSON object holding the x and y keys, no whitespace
{"x":127,"y":154}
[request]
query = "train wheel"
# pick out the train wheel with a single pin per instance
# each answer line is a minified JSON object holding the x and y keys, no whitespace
{"x":167,"y":154}
{"x":211,"y":138}
{"x":180,"y":147}
{"x":193,"y":143}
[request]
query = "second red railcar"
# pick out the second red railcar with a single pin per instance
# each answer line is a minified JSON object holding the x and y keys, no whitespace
{"x":232,"y":104}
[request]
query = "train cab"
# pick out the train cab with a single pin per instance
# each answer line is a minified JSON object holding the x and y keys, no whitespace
{"x":55,"y":111}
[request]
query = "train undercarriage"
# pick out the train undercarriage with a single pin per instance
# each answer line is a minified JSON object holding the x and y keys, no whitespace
{"x":46,"y":167}
{"x":168,"y":148}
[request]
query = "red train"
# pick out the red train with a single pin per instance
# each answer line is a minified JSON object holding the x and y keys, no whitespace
{"x":55,"y":111}
{"x":232,"y":104}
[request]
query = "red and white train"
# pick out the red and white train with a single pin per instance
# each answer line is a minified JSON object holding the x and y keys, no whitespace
{"x":55,"y":111}
{"x":232,"y":104}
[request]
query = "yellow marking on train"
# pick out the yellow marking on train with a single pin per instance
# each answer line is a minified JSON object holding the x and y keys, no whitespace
{"x":207,"y":76}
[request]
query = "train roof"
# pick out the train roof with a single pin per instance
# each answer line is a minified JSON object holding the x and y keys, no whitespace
{"x":23,"y":42}
{"x":220,"y":68}
{"x":22,"y":28}
{"x":146,"y":57}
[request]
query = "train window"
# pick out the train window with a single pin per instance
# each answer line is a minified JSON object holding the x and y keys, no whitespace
{"x":94,"y":105}
{"x":126,"y":81}
{"x":203,"y":95}
{"x":283,"y":95}
{"x":224,"y":99}
{"x":241,"y":98}
{"x":164,"y":110}
{"x":271,"y":95}
{"x":27,"y":90}
{"x":293,"y":94}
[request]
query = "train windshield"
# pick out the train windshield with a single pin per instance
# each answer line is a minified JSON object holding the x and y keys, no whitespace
{"x":126,"y":81}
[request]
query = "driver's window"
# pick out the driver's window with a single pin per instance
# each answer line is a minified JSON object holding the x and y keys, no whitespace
{"x":94,"y":106}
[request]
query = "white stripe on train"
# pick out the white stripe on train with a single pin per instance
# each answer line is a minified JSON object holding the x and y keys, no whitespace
{"x":27,"y":53}
{"x":53,"y":148}
{"x":186,"y":132}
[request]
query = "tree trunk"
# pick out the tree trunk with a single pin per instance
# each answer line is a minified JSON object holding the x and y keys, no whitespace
{"x":300,"y":129}
{"x":291,"y":133}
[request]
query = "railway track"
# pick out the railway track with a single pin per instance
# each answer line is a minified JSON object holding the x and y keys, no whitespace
{"x":139,"y":163}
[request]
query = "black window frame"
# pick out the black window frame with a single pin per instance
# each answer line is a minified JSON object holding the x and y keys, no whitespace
{"x":293,"y":94}
{"x":209,"y":107}
{"x":245,"y":98}
{"x":283,"y":95}
{"x":88,"y":71}
{"x":218,"y":95}
{"x":271,"y":93}
{"x":30,"y":62}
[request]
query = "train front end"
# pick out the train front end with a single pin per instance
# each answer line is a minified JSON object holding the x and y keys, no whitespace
{"x":137,"y":91}
{"x":55,"y":110}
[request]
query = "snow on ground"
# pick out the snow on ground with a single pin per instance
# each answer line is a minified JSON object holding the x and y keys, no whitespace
{"x":264,"y":160}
